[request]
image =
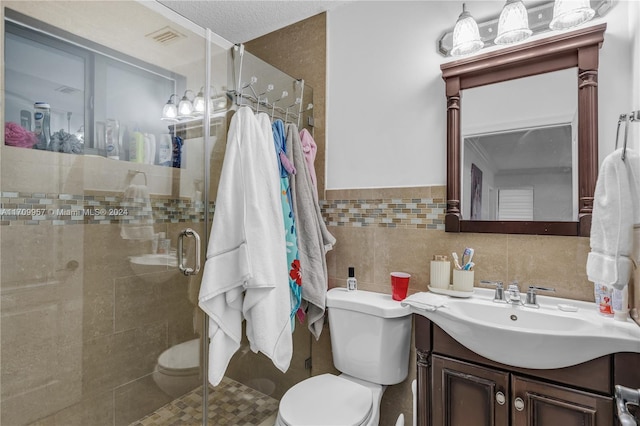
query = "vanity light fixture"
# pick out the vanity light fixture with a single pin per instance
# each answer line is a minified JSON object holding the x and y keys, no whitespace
{"x":170,"y":111}
{"x":185,"y":107}
{"x":570,"y":13}
{"x":513,"y":25}
{"x":466,"y":37}
{"x":216,"y":102}
{"x":539,"y":14}
{"x":188,"y":109}
{"x":198,"y":102}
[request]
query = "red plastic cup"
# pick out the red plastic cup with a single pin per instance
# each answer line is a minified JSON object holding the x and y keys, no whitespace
{"x":399,"y":285}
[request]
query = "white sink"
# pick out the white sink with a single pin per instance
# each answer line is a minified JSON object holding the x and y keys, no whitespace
{"x":533,"y":338}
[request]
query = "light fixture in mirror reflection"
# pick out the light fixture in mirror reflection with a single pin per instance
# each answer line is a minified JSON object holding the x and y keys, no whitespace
{"x":188,"y":109}
{"x":519,"y":152}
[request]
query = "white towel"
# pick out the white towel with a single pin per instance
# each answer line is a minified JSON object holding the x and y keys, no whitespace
{"x":615,"y":210}
{"x":267,"y":303}
{"x":138,"y":204}
{"x":247,"y":252}
{"x":425,"y":301}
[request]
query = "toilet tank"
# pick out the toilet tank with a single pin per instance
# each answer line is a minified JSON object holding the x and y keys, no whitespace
{"x":370,"y":335}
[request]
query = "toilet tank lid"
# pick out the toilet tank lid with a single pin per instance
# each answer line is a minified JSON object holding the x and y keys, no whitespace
{"x":378,"y":304}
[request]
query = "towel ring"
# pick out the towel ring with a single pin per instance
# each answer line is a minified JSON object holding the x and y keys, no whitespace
{"x":632,"y":116}
{"x":626,"y":119}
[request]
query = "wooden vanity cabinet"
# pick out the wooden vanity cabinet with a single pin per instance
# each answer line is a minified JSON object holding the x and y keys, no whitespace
{"x":536,"y":403}
{"x":457,"y":387}
{"x":468,"y":394}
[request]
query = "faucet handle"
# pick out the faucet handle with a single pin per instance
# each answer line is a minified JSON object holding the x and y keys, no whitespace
{"x":498,"y":297}
{"x":531,"y":295}
{"x":535,"y":287}
{"x":498,"y":284}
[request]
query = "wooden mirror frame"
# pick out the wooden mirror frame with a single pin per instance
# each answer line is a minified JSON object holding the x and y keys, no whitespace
{"x":579,"y":49}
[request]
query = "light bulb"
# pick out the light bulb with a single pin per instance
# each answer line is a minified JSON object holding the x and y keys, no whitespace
{"x":513,"y":25}
{"x":185,"y":107}
{"x":466,"y":36}
{"x":570,"y":13}
{"x":169,"y":111}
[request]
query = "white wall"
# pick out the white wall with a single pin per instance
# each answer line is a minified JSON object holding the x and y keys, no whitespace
{"x":386,"y":117}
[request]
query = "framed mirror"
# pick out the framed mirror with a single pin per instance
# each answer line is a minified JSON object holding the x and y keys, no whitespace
{"x":576,"y":157}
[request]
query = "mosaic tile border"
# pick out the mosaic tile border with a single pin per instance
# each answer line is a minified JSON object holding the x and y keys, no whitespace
{"x":419,"y":213}
{"x":107,"y":208}
{"x":103,"y":208}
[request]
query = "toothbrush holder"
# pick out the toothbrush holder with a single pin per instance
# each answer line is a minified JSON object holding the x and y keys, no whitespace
{"x":463,"y":280}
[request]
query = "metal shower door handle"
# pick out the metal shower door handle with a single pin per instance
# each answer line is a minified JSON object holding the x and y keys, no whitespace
{"x":196,"y":267}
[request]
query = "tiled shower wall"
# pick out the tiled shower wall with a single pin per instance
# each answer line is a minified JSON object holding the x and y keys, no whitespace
{"x":81,"y":329}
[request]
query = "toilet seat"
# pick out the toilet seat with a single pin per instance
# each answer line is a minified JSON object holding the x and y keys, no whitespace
{"x":326,"y":400}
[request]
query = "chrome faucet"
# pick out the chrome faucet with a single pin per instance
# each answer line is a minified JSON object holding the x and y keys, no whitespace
{"x":532,"y":301}
{"x":513,"y":294}
{"x":498,"y":297}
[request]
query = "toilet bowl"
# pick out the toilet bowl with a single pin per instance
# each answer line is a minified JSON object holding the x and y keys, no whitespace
{"x":370,"y":340}
{"x":178,"y":368}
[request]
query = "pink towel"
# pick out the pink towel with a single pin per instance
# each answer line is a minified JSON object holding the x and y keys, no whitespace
{"x":310,"y":148}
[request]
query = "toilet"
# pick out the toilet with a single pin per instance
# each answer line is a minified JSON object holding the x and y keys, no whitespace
{"x":370,"y":340}
{"x":178,"y":369}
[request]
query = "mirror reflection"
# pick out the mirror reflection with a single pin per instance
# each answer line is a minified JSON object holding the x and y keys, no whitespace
{"x":519,"y":157}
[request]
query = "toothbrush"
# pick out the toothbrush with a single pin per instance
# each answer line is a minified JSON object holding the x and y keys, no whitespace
{"x":454,"y":255}
{"x":467,"y":252}
{"x":469,"y":266}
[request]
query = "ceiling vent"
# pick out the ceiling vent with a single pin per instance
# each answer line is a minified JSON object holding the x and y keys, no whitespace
{"x":166,"y":35}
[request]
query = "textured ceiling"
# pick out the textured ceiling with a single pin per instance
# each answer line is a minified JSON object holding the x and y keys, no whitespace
{"x":240,"y":21}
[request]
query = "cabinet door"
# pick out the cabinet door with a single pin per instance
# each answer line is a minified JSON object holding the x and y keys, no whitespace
{"x":542,"y":404}
{"x":468,"y":395}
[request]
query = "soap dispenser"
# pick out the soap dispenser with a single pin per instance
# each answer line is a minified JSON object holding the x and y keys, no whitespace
{"x":352,"y":283}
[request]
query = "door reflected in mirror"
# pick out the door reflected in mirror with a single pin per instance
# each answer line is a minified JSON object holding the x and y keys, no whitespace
{"x":519,"y":152}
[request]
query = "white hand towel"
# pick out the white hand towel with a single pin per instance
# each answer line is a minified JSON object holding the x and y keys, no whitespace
{"x":247,"y":252}
{"x":425,"y":301}
{"x":138,"y":204}
{"x":615,"y":210}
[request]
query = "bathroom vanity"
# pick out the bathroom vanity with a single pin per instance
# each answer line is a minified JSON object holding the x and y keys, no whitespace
{"x":458,"y":387}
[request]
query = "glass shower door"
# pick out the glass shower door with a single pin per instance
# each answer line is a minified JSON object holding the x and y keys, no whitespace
{"x":94,"y":196}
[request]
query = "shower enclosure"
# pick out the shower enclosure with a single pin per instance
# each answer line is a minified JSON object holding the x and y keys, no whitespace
{"x":99,"y":213}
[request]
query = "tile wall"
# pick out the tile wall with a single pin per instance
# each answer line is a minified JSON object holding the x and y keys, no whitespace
{"x":81,"y":327}
{"x":375,"y":248}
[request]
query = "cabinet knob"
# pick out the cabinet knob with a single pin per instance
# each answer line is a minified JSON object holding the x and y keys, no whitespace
{"x":519,"y":404}
{"x":500,"y":398}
